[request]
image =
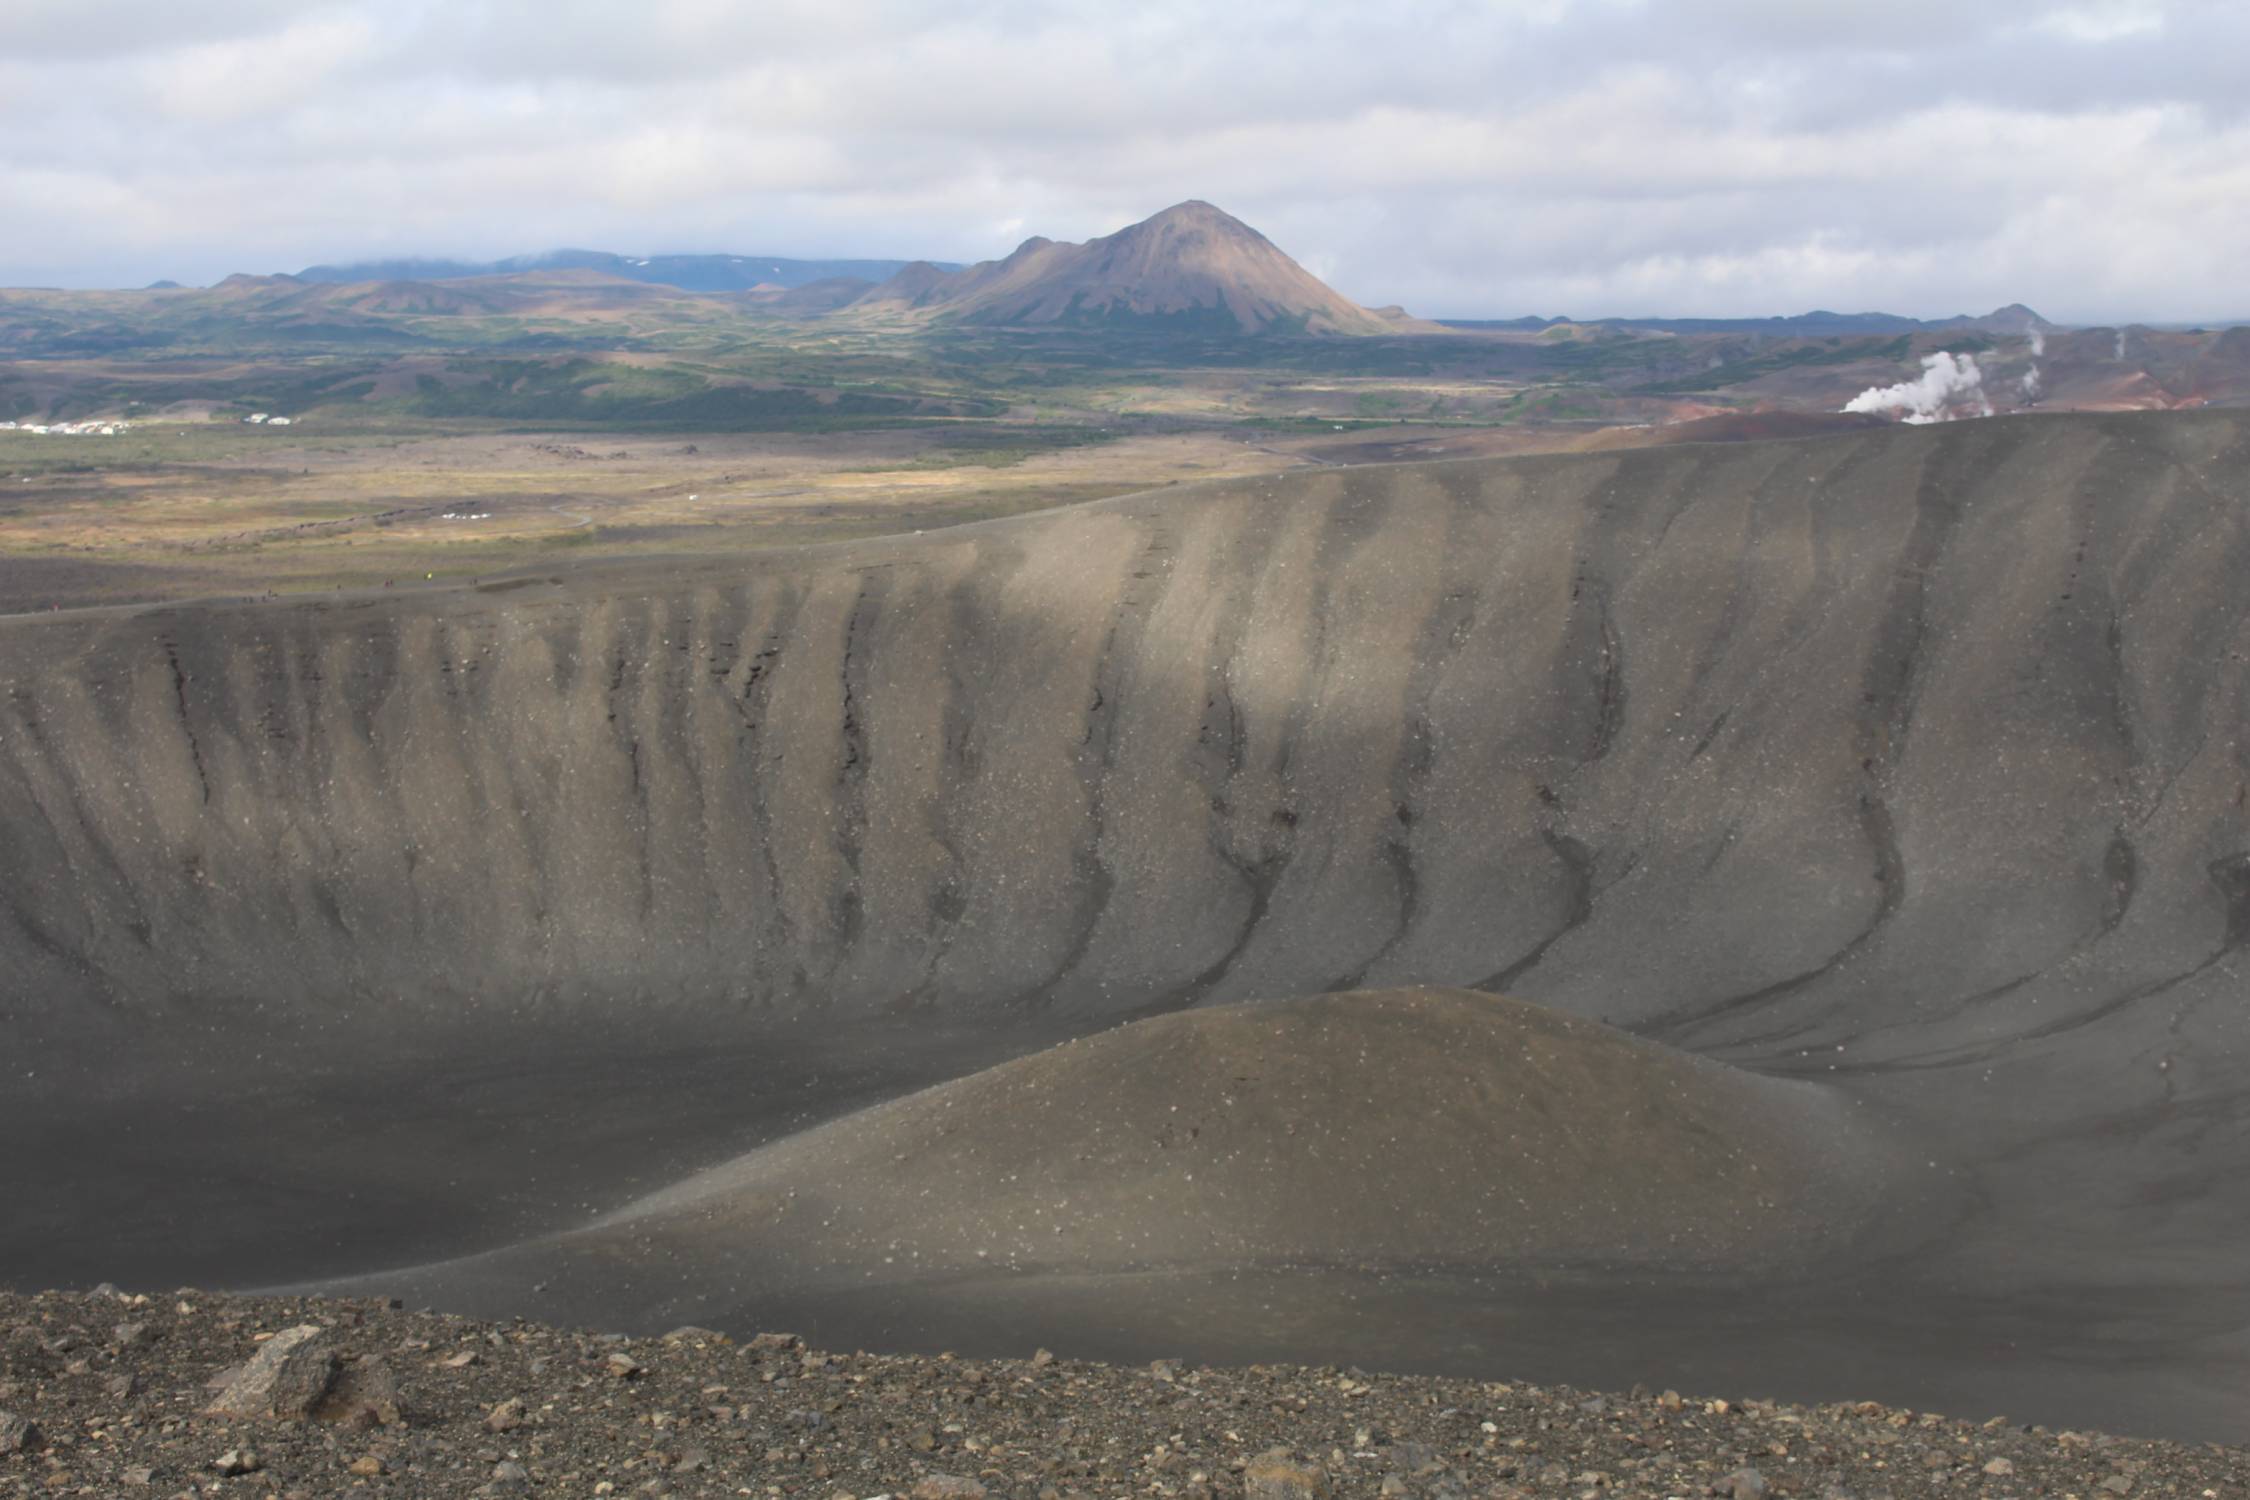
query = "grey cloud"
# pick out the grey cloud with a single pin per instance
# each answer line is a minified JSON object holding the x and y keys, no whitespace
{"x":1464,"y":157}
{"x":114,"y":28}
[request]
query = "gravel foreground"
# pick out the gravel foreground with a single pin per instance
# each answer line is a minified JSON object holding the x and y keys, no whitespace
{"x":194,"y":1393}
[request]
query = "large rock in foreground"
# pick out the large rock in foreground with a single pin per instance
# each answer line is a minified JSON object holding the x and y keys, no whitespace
{"x":286,"y":1379}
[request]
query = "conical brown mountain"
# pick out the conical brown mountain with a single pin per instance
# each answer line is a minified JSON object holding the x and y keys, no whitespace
{"x":1192,"y":267}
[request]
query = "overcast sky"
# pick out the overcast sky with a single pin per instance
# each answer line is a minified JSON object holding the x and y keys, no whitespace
{"x":1463,"y":157}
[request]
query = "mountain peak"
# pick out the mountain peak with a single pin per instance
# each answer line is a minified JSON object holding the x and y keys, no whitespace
{"x":2015,"y":318}
{"x":1192,"y":209}
{"x":2017,"y":313}
{"x":243,"y":281}
{"x":1192,"y":268}
{"x":1193,"y":216}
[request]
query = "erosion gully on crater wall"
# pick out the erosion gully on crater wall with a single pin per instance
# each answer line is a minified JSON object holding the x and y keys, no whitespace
{"x":411,"y":936}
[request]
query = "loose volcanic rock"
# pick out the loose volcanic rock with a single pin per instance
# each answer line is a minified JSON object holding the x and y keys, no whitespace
{"x":286,"y":1379}
{"x":1279,"y":1475}
{"x":708,"y":1420}
{"x":946,"y":1487}
{"x":1743,"y":1484}
{"x":17,"y":1434}
{"x":238,"y":1461}
{"x":364,"y":1394}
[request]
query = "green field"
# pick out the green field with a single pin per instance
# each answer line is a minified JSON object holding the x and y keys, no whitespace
{"x":456,"y":429}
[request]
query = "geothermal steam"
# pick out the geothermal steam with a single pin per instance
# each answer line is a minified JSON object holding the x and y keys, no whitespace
{"x":1949,"y":383}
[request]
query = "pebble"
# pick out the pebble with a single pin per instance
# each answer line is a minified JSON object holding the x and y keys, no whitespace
{"x":1743,"y":1484}
{"x":17,"y":1434}
{"x":1277,"y":1474}
{"x":946,"y":1487}
{"x":237,"y":1461}
{"x":694,"y":1335}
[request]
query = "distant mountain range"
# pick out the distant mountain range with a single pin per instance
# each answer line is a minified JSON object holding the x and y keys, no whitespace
{"x":693,"y":273}
{"x":1191,"y":269}
{"x":2015,"y":319}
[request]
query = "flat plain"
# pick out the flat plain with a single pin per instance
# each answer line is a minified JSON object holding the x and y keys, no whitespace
{"x":462,"y":429}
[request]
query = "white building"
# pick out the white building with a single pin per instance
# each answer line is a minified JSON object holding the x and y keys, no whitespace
{"x":91,"y":427}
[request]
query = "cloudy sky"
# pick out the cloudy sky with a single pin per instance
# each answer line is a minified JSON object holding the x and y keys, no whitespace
{"x":1463,"y":157}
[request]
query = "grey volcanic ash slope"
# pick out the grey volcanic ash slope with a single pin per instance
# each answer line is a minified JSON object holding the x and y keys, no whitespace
{"x":1929,"y":740}
{"x":1415,"y":1127}
{"x":1407,"y":1133}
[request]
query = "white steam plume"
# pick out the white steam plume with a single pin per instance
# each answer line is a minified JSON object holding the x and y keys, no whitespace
{"x":2120,"y":343}
{"x":1948,"y":380}
{"x":2032,"y":385}
{"x":2038,"y":344}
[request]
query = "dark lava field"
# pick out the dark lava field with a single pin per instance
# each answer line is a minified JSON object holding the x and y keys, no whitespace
{"x":1767,"y":917}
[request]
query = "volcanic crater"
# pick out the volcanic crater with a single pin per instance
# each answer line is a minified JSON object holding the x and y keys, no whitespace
{"x":1768,"y":911}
